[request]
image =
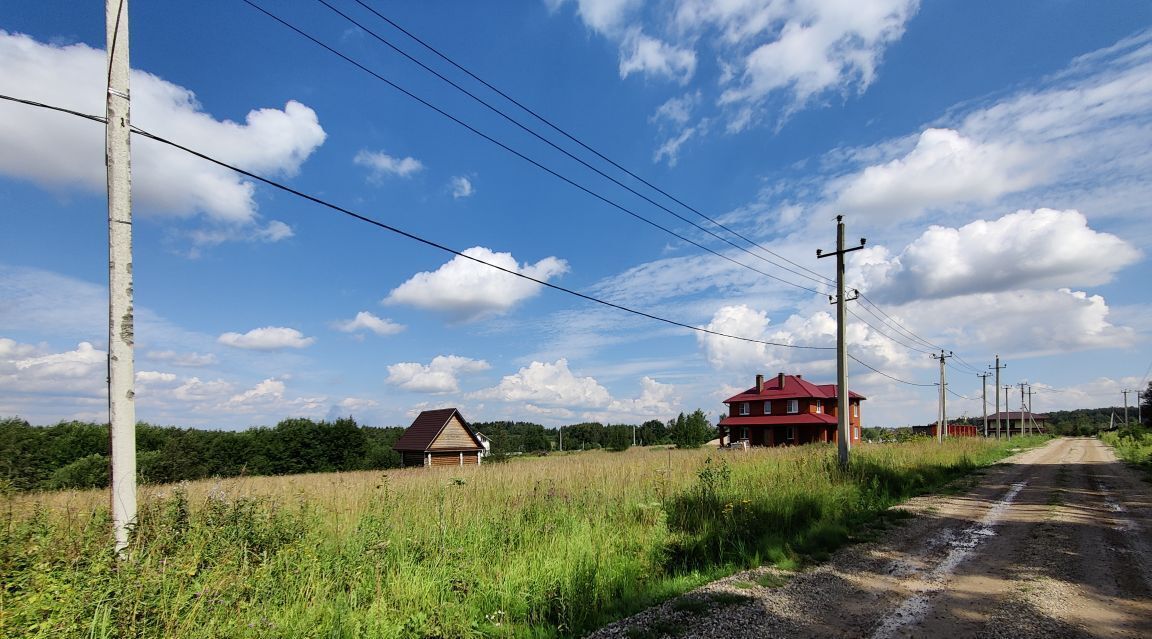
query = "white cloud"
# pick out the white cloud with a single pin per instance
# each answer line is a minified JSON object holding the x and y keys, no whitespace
{"x":944,"y":168}
{"x":60,"y":151}
{"x":154,"y":377}
{"x":269,"y":389}
{"x":640,"y":53}
{"x":656,"y":401}
{"x":1022,"y":250}
{"x":382,"y":165}
{"x":604,"y":16}
{"x":36,"y":374}
{"x":466,"y":289}
{"x":550,"y":385}
{"x":190,"y":360}
{"x":267,"y":339}
{"x":439,"y":376}
{"x":367,"y":321}
{"x":461,"y":187}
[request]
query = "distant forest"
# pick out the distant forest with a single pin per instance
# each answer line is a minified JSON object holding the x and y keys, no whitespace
{"x":76,"y":454}
{"x":1082,"y":421}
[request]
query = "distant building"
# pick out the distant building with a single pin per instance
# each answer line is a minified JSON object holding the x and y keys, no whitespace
{"x":439,"y":438}
{"x":787,"y":410}
{"x":1010,"y":421}
{"x":954,"y":430}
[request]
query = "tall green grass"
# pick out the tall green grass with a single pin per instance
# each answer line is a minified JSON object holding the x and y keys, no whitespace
{"x":1133,"y":445}
{"x":549,"y":547}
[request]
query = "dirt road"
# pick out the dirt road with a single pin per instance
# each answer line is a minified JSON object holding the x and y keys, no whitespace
{"x":1057,"y":542}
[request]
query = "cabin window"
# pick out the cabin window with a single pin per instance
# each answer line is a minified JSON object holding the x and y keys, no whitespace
{"x":793,"y":406}
{"x":790,"y":433}
{"x":767,"y":408}
{"x":743,"y":408}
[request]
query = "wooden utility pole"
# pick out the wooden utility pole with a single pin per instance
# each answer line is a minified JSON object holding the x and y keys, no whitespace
{"x":997,"y":368}
{"x":984,"y":384}
{"x":1031,"y":414}
{"x":942,"y":414}
{"x":843,"y":423}
{"x":121,"y":336}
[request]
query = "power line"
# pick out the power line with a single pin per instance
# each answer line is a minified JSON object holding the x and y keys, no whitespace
{"x":954,"y":393}
{"x":880,"y":372}
{"x":417,"y":238}
{"x":880,"y":332}
{"x":538,"y":164}
{"x":822,"y":279}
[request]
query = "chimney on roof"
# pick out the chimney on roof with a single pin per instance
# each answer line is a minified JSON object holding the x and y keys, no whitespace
{"x":759,"y":383}
{"x":780,"y":381}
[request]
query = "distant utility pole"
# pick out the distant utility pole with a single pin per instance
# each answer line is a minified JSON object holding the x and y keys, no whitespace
{"x":984,"y":384}
{"x":1022,"y":406}
{"x":942,"y":423}
{"x":1008,"y":425}
{"x":121,"y":336}
{"x":1031,"y":414}
{"x":1126,"y":391}
{"x":843,"y":423}
{"x":997,"y":368}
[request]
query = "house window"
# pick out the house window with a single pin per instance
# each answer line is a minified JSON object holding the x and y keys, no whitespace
{"x":819,"y":406}
{"x":743,"y":408}
{"x":790,"y":433}
{"x":793,"y":406}
{"x":767,"y":408}
{"x":855,"y":410}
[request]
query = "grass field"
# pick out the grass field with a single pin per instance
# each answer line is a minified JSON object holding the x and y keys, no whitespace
{"x":542,"y":547}
{"x":1133,"y":445}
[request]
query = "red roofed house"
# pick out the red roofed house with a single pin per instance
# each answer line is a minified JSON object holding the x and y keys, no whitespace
{"x":439,"y":438}
{"x":787,"y":410}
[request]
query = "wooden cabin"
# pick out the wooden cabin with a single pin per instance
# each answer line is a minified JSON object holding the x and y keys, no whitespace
{"x":439,"y":438}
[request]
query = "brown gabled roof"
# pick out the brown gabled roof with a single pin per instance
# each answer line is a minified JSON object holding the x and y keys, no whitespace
{"x":427,"y":427}
{"x":794,"y":387}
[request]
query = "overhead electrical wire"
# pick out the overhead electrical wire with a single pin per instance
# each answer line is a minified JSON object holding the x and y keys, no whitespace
{"x":891,"y":338}
{"x":958,"y":394}
{"x":540,"y":165}
{"x":412,"y":236}
{"x":878,"y":371}
{"x":821,"y":278}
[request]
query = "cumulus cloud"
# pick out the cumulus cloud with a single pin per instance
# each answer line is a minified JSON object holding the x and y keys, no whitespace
{"x":764,"y":48}
{"x":944,"y":168}
{"x":466,"y":289}
{"x":154,"y":377}
{"x":549,"y":385}
{"x":58,"y":151}
{"x":190,"y":360}
{"x":65,"y":377}
{"x":1023,"y":250}
{"x":461,"y":187}
{"x":269,"y":338}
{"x":381,"y":165}
{"x":367,"y":321}
{"x":640,"y":53}
{"x":655,"y":400}
{"x":441,"y":375}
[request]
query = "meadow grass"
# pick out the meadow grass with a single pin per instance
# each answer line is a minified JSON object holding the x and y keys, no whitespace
{"x":544,"y":547}
{"x":1133,"y":445}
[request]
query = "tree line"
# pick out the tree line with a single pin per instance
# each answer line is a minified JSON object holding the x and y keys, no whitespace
{"x":75,"y":454}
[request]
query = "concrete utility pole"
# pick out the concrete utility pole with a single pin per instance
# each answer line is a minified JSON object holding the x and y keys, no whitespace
{"x":1031,"y":415}
{"x":984,"y":384}
{"x":121,"y":364}
{"x":1008,"y":418}
{"x":997,"y":367}
{"x":1126,"y":391}
{"x":843,"y":423}
{"x":1022,"y":406}
{"x":942,"y":422}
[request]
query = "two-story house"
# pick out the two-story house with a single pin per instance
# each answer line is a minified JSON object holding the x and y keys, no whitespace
{"x":787,"y":410}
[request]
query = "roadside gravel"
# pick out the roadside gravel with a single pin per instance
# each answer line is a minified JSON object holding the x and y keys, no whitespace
{"x":1052,"y":543}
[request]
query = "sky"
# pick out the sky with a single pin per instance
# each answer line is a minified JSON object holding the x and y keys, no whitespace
{"x":692,"y":157}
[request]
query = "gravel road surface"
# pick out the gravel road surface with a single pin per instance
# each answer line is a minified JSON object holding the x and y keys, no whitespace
{"x":1053,"y":543}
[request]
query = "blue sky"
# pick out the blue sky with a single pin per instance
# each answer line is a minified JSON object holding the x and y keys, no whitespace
{"x":994,"y":154}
